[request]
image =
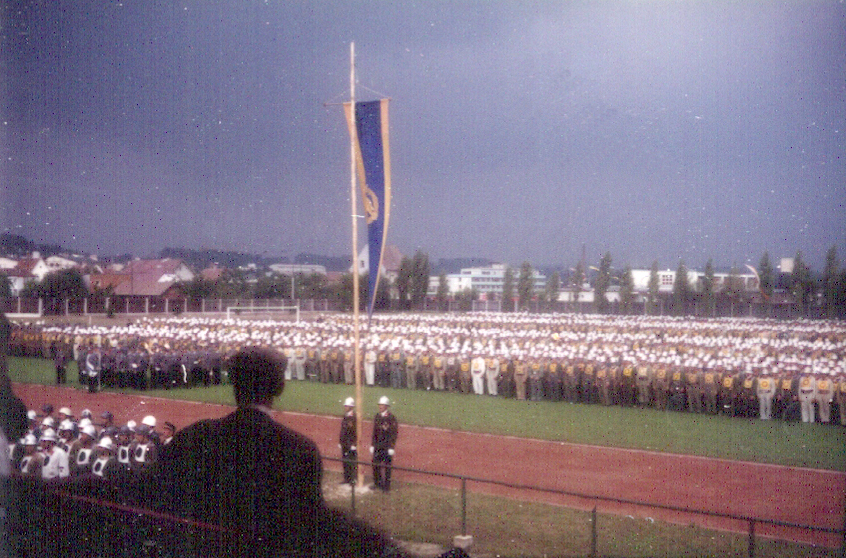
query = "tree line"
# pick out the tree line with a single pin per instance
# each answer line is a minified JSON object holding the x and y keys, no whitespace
{"x":409,"y":290}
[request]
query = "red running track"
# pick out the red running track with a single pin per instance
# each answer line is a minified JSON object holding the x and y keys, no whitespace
{"x":789,"y":494}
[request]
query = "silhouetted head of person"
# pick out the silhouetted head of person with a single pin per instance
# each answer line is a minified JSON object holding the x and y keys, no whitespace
{"x":257,"y":375}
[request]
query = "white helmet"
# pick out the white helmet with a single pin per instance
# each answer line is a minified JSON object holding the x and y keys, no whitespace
{"x":149,"y":420}
{"x":106,"y":443}
{"x":384,"y":400}
{"x":49,"y":435}
{"x":65,"y":411}
{"x":30,"y":440}
{"x":49,"y":421}
{"x":131,"y":425}
{"x":84,"y":422}
{"x":349,"y":402}
{"x":89,"y":430}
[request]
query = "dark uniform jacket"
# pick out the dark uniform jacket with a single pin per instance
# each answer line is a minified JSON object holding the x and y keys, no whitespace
{"x":246,"y":474}
{"x":260,"y":482}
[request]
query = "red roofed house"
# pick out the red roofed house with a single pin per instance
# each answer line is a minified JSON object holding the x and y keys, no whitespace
{"x":145,"y":278}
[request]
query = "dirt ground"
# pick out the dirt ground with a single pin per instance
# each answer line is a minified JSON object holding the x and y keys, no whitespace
{"x":788,"y":494}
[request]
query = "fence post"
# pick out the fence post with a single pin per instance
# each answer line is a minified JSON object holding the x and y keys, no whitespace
{"x":593,"y":533}
{"x":463,"y":506}
{"x":751,"y":538}
{"x":352,"y":497}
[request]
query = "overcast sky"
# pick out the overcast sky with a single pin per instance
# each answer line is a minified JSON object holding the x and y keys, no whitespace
{"x":520,"y":131}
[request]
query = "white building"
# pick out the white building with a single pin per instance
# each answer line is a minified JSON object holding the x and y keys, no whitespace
{"x":667,"y":278}
{"x":305,"y":269}
{"x":484,"y":280}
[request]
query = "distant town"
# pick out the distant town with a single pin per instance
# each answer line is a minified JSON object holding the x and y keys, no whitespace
{"x":782,"y":288}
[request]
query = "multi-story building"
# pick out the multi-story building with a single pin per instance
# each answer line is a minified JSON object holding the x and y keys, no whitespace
{"x":484,"y":280}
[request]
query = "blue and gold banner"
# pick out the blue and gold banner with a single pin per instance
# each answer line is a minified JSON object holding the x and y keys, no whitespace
{"x":369,"y":133}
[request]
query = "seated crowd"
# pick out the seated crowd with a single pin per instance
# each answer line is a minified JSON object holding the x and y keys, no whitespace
{"x":740,"y":366}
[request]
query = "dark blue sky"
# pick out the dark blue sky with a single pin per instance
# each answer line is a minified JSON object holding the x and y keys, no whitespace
{"x":519,"y":130}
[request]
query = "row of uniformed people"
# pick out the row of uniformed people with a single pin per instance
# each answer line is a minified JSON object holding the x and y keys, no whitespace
{"x":400,"y":355}
{"x":73,"y":449}
{"x":138,"y":367}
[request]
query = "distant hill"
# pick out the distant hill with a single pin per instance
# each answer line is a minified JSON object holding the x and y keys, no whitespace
{"x":201,"y":259}
{"x":17,"y":246}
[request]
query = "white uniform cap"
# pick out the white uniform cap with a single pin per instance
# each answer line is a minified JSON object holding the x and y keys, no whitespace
{"x":149,"y":420}
{"x":106,"y":443}
{"x":384,"y":400}
{"x":49,"y":435}
{"x":349,"y":402}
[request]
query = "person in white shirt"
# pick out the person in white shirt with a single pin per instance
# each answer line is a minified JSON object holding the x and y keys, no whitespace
{"x":55,"y":464}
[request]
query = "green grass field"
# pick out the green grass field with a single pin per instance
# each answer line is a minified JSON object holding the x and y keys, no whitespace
{"x":783,"y":443}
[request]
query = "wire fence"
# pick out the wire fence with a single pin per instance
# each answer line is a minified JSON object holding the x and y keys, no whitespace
{"x":57,"y":520}
{"x":754,"y":527}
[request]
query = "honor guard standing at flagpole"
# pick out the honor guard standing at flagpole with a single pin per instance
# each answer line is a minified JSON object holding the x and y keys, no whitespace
{"x":347,"y":442}
{"x":385,"y":430}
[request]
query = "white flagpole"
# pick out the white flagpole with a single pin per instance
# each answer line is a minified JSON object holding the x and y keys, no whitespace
{"x":356,"y":321}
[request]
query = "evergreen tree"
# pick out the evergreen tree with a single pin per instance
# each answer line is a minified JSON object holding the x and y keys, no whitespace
{"x":831,"y":288}
{"x":273,"y":285}
{"x":403,"y":282}
{"x":767,"y":279}
{"x":419,"y":279}
{"x":766,"y":275}
{"x":383,"y":295}
{"x":652,"y":289}
{"x":681,"y":290}
{"x":443,"y":291}
{"x":578,"y":281}
{"x":64,"y":284}
{"x":232,"y":284}
{"x":198,"y":288}
{"x":626,"y":290}
{"x":465,"y":299}
{"x":525,"y":286}
{"x":508,"y":290}
{"x":603,"y":281}
{"x":802,"y":286}
{"x":708,"y":296}
{"x":343,"y":293}
{"x":553,"y":286}
{"x":734,"y":289}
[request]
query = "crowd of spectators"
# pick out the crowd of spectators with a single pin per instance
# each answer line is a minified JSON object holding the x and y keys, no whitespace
{"x":743,"y":367}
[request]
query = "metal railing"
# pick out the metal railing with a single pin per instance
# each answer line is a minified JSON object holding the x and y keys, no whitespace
{"x":749,"y":521}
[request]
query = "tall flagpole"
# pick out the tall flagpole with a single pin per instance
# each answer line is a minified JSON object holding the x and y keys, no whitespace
{"x":356,"y":280}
